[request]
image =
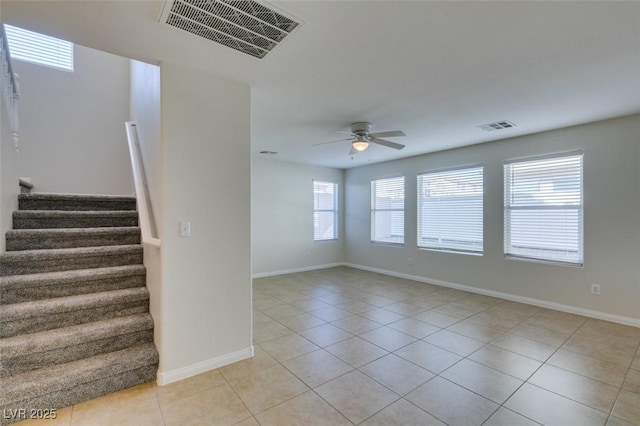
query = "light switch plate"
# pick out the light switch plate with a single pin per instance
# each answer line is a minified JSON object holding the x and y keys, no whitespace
{"x":185,"y":229}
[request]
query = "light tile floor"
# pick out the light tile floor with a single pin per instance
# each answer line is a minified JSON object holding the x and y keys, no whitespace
{"x":343,"y":346}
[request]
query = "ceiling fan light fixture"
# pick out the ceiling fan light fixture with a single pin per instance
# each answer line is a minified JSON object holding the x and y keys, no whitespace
{"x":360,"y":144}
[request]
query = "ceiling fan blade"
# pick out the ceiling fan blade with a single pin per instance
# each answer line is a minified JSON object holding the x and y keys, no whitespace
{"x":337,"y":140}
{"x":387,"y":143}
{"x":391,"y":134}
{"x":352,"y":151}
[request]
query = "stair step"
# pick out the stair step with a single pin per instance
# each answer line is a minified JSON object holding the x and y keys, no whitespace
{"x":37,"y":239}
{"x":40,"y":201}
{"x":66,"y":259}
{"x":29,"y":352}
{"x":48,"y":314}
{"x":49,"y":285}
{"x":47,"y":219}
{"x":66,"y":384}
{"x":74,"y":308}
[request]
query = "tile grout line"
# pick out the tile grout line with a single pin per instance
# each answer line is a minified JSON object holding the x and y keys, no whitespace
{"x":155,"y":394}
{"x":621,"y":388}
{"x":501,"y":405}
{"x":357,"y":368}
{"x":485,"y":344}
{"x":542,"y":364}
{"x":241,"y":400}
{"x":523,"y":381}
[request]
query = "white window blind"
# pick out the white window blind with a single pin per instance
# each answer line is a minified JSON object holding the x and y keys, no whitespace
{"x":543,"y":214}
{"x":39,"y":49}
{"x":387,"y":210}
{"x":450,"y":206}
{"x":325,"y":211}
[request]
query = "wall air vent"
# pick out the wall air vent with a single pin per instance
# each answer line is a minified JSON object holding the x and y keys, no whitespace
{"x":498,"y":125}
{"x":246,"y":25}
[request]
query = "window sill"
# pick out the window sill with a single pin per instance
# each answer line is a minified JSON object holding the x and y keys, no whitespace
{"x":386,"y":243}
{"x":468,"y":253}
{"x":544,"y":262}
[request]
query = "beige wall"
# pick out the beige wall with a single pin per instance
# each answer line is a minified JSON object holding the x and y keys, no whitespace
{"x":206,"y":279}
{"x":282,"y":218}
{"x":73,"y":138}
{"x":8,"y":176}
{"x":144,"y":108}
{"x":611,"y":222}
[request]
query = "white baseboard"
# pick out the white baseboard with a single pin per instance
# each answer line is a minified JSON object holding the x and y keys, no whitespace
{"x":293,"y":271}
{"x":164,"y":378}
{"x":634,"y":322}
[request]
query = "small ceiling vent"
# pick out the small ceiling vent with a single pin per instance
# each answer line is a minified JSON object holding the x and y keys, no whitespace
{"x":245,"y":25}
{"x":498,"y":125}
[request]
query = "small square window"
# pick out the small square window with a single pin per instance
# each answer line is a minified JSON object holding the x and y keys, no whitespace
{"x":387,"y":210}
{"x":325,"y":211}
{"x":39,"y":49}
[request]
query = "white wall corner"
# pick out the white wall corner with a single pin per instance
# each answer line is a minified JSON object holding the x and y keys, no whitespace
{"x":634,"y":322}
{"x":165,"y":378}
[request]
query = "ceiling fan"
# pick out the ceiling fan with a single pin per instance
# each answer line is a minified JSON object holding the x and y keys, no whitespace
{"x":361,"y":137}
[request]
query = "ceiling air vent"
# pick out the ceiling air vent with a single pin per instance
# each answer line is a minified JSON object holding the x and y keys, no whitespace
{"x":498,"y":125}
{"x":245,"y":25}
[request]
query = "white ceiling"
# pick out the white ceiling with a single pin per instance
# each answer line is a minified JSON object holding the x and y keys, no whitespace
{"x":436,"y":70}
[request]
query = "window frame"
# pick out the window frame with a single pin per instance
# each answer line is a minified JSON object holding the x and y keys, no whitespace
{"x":335,"y":210}
{"x":507,"y":249}
{"x":374,"y":210}
{"x":443,"y":248}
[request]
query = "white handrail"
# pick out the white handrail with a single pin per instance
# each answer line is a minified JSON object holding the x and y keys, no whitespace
{"x":145,"y":210}
{"x":9,"y":86}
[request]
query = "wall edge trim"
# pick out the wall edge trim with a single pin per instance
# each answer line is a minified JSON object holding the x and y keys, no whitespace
{"x":165,"y":378}
{"x":634,"y":322}
{"x":293,"y":271}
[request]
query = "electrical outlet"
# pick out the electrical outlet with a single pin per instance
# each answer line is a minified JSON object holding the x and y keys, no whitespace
{"x":185,"y":229}
{"x":595,"y":289}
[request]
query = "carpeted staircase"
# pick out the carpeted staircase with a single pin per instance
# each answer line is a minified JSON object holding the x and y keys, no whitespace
{"x":74,"y":309}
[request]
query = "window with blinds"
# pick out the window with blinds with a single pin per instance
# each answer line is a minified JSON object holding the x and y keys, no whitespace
{"x":325,"y":211}
{"x":387,"y":210}
{"x":450,"y":210}
{"x":39,"y":49}
{"x":543,"y":214}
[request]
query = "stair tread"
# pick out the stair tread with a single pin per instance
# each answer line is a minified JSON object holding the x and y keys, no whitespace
{"x":74,"y":197}
{"x":55,"y":378}
{"x":73,"y":213}
{"x":55,"y":238}
{"x":37,"y":308}
{"x":23,"y":262}
{"x":74,"y":251}
{"x":54,"y":278}
{"x":75,"y":202}
{"x":73,"y":335}
{"x":70,"y":232}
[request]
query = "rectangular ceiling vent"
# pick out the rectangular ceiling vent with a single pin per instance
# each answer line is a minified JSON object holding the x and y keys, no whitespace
{"x":245,"y":25}
{"x":498,"y":125}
